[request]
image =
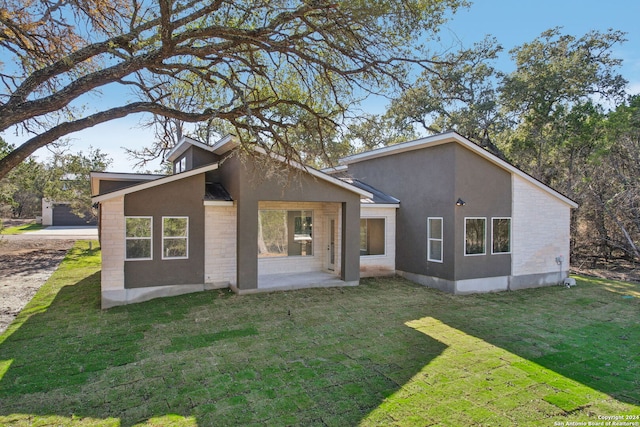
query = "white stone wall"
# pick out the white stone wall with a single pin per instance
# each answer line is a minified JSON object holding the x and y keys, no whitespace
{"x":317,"y":261}
{"x":220,"y":242}
{"x":540,"y":230}
{"x":112,"y":244}
{"x":376,"y":265}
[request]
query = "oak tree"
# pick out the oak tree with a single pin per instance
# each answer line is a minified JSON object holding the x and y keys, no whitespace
{"x":458,"y":93}
{"x":257,"y":65}
{"x":554,"y":73}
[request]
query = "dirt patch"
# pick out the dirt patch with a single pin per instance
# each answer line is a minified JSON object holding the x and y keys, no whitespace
{"x":25,"y":265}
{"x":617,"y":269}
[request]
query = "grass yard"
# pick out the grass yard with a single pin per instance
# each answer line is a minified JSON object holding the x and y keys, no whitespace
{"x":385,"y":353}
{"x":19,"y":229}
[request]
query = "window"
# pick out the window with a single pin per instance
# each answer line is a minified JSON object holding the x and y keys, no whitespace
{"x":181,"y":166}
{"x":474,"y":236}
{"x":285,"y":233}
{"x":138,"y":238}
{"x":175,"y":237}
{"x":501,"y":235}
{"x":434,"y":239}
{"x":372,"y":236}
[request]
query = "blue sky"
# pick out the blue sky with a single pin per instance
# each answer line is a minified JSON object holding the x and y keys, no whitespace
{"x":512,"y":22}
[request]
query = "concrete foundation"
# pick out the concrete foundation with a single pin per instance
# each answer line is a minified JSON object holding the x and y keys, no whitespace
{"x":487,"y":284}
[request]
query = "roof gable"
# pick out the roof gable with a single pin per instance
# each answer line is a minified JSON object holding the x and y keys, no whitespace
{"x":154,"y":183}
{"x":134,"y":178}
{"x":318,"y":174}
{"x":224,"y":145}
{"x":448,"y":137}
{"x":230,"y":142}
{"x":183,"y":145}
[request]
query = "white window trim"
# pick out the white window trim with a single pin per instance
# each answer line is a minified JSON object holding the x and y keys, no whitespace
{"x":384,"y":218}
{"x":181,"y":165}
{"x":510,"y":237}
{"x":138,"y":238}
{"x":173,"y":237}
{"x":484,"y":252}
{"x":441,"y":240}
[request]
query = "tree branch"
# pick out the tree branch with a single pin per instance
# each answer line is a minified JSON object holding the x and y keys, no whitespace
{"x":29,"y":147}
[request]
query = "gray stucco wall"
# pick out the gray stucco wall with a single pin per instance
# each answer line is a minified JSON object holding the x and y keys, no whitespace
{"x":196,"y":157}
{"x":424,"y":183}
{"x":250,"y":181}
{"x":486,"y":190}
{"x":428,"y":182}
{"x":179,"y":198}
{"x":109,"y":186}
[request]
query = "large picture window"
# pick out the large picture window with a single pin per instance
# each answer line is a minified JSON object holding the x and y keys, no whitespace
{"x":138,"y":240}
{"x":285,"y":233}
{"x":501,"y":235}
{"x":434,"y":239}
{"x":372,"y":236}
{"x":175,"y":237}
{"x":475,"y":236}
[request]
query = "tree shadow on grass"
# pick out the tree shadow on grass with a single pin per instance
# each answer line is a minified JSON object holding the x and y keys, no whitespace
{"x":57,"y":348}
{"x":324,"y":357}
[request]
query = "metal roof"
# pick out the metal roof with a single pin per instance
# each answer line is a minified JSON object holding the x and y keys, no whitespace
{"x":379,"y":197}
{"x":216,"y":192}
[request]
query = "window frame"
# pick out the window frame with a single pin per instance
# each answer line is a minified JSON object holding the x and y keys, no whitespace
{"x":181,"y":165}
{"x":127,"y":238}
{"x":441,"y":239}
{"x":484,"y":243}
{"x":493,"y":234}
{"x":384,"y":235}
{"x":186,"y":238}
{"x":304,"y":213}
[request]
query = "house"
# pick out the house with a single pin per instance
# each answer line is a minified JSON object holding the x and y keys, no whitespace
{"x":224,"y":221}
{"x":468,"y":221}
{"x":259,"y":223}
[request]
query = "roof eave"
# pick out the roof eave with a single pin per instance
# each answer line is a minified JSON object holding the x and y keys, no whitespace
{"x":225,"y":144}
{"x":154,"y":183}
{"x":447,"y":137}
{"x":316,"y":173}
{"x":182,"y":146}
{"x":431,"y":140}
{"x":96,"y":177}
{"x":380,"y":205}
{"x":334,"y":169}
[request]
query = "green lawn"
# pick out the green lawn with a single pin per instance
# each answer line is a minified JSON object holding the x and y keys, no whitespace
{"x":19,"y":229}
{"x":385,"y":353}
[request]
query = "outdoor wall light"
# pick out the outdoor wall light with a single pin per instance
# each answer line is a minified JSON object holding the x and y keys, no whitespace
{"x":460,"y":202}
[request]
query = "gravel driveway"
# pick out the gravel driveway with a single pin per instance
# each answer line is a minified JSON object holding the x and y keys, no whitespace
{"x":25,"y":265}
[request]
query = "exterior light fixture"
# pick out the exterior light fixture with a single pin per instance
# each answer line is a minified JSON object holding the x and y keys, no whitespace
{"x":460,"y":202}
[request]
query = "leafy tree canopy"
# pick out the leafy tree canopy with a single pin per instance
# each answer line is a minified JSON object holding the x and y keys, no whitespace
{"x":259,"y":66}
{"x":63,"y":178}
{"x":548,"y":118}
